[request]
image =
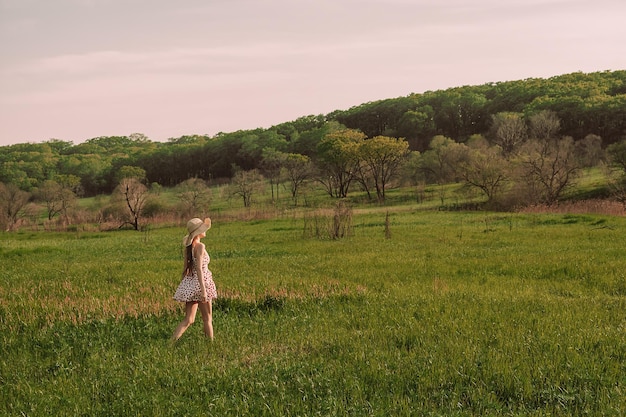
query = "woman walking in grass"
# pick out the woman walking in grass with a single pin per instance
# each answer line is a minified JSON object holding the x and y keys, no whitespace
{"x":197,"y":287}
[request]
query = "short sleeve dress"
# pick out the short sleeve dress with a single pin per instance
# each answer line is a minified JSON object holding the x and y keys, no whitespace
{"x":189,"y":288}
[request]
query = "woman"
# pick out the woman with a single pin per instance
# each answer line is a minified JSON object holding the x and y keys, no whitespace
{"x":197,"y":287}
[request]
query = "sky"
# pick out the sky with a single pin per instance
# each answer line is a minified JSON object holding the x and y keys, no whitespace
{"x":79,"y":69}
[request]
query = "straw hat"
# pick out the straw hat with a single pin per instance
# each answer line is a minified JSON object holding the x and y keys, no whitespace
{"x":196,"y":227}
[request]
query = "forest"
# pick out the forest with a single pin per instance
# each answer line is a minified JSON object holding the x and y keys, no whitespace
{"x":512,"y":142}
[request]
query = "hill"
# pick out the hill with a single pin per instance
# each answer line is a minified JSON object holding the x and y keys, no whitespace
{"x":529,"y":138}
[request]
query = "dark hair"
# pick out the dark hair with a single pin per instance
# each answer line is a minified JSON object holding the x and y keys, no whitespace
{"x":188,"y":261}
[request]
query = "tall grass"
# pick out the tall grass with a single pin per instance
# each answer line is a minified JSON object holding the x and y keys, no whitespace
{"x":447,"y":314}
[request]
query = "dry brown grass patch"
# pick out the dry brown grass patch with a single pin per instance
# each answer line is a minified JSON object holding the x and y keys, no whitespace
{"x":603,"y":207}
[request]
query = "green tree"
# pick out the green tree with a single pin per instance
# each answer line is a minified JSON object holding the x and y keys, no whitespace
{"x":27,"y":165}
{"x":383,"y":156}
{"x":91,"y":168}
{"x":307,"y":141}
{"x":12,"y":172}
{"x":458,"y":112}
{"x":375,"y":118}
{"x":58,"y":146}
{"x":291,"y":130}
{"x":418,"y":127}
{"x":337,"y":161}
{"x":129,"y":171}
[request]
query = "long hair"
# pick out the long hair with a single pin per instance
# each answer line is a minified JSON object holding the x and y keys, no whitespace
{"x":188,"y":261}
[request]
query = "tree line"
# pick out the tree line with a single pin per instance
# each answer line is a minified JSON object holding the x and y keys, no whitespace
{"x":512,"y":141}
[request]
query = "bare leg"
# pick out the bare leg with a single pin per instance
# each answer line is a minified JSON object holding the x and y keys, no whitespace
{"x":207,"y":318}
{"x":190,"y":317}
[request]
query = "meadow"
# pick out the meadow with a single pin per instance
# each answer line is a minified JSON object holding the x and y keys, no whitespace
{"x":420,"y":313}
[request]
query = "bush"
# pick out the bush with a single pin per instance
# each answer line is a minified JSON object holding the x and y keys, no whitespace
{"x":154,"y":207}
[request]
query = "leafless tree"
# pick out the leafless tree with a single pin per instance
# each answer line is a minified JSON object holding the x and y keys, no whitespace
{"x":617,"y":154}
{"x":49,"y":193}
{"x":194,"y":195}
{"x":441,"y":161}
{"x":549,"y":166}
{"x":589,"y":150}
{"x":271,"y":165}
{"x":617,"y":185}
{"x":485,"y":168}
{"x":297,"y":169}
{"x":544,"y":125}
{"x":508,"y":131}
{"x":245,"y":184}
{"x":12,"y":203}
{"x":135,"y":195}
{"x":616,"y":170}
{"x":59,"y":196}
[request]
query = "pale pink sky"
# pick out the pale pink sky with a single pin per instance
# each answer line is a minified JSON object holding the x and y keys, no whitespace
{"x":79,"y":69}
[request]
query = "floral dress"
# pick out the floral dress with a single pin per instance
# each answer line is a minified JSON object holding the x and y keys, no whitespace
{"x":189,"y":289}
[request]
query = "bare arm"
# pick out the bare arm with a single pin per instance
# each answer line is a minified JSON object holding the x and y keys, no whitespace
{"x":198,"y":254}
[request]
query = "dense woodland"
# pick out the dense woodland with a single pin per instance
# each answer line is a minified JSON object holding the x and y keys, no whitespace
{"x":512,"y":141}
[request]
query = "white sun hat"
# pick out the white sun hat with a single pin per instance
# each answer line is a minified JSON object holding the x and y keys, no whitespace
{"x":196,"y":227}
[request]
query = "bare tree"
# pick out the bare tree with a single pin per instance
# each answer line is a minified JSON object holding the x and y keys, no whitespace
{"x":271,"y":165}
{"x":297,"y":169}
{"x":194,"y":195}
{"x":49,"y":193}
{"x":245,"y":184}
{"x":59,"y":196}
{"x":441,"y":161}
{"x":364,"y":177}
{"x":12,"y":203}
{"x":135,"y":195}
{"x":70,"y":187}
{"x":589,"y":150}
{"x":508,"y":131}
{"x":549,"y":166}
{"x":617,"y":186}
{"x":486,"y":169}
{"x":617,"y":154}
{"x":544,"y":125}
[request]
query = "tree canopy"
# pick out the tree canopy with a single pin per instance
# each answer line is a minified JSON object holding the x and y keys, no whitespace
{"x":584,"y":104}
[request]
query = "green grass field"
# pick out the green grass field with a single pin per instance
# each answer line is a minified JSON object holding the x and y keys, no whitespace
{"x":455,"y":314}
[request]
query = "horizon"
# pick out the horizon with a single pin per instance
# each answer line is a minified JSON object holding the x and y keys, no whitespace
{"x":170,"y":70}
